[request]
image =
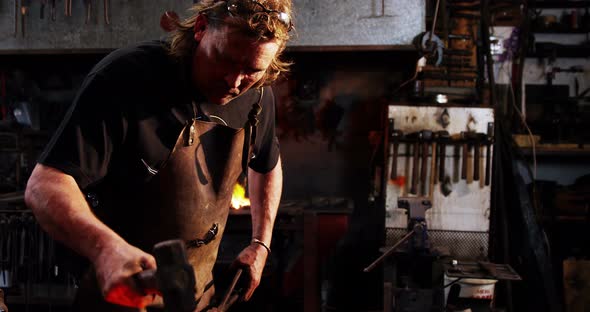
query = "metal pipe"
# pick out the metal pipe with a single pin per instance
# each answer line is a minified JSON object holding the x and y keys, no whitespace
{"x":388,"y":252}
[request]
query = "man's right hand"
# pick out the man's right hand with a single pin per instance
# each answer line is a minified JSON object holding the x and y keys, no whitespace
{"x":115,"y":266}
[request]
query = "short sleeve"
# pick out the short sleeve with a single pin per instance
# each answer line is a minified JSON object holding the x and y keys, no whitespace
{"x":266,"y":152}
{"x":84,"y":143}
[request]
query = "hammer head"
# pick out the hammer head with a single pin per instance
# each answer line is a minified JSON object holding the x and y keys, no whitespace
{"x":443,"y":135}
{"x":397,"y":134}
{"x":427,"y":135}
{"x":175,"y":276}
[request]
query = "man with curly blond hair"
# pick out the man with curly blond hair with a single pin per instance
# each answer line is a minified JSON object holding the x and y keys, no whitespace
{"x":153,"y":146}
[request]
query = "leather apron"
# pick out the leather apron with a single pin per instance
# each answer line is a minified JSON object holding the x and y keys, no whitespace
{"x":188,"y":198}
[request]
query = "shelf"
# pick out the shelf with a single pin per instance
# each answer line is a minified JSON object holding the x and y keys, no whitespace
{"x":559,"y":50}
{"x":542,"y":150}
{"x":561,"y":31}
{"x":566,"y":219}
{"x":559,"y":4}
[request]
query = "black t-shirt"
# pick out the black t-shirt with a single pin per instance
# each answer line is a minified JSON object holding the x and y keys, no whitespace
{"x":130,"y":110}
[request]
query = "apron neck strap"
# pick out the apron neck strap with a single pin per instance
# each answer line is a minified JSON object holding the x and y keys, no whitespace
{"x":250,"y":127}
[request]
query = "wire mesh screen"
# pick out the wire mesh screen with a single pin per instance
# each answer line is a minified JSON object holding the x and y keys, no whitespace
{"x":460,"y":244}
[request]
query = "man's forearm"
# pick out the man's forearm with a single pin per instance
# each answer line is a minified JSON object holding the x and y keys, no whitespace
{"x":62,"y":211}
{"x":265,"y":195}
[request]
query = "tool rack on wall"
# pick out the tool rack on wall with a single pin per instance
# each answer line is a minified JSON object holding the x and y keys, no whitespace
{"x":32,"y":265}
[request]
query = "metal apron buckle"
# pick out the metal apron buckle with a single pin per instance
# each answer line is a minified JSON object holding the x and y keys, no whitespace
{"x":209,"y":236}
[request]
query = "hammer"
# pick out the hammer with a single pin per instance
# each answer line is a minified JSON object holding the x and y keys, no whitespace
{"x":174,"y":278}
{"x":426,"y":139}
{"x":480,"y":138}
{"x":465,"y":151}
{"x":416,"y":139}
{"x":396,"y":136}
{"x":470,"y":138}
{"x":443,"y":139}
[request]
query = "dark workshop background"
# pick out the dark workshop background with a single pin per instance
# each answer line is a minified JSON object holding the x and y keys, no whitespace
{"x":352,"y":60}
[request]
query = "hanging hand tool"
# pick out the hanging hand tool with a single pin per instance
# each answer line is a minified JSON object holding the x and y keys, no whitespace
{"x":480,"y":137}
{"x":106,"y":12}
{"x":489,"y":142}
{"x":68,"y":7}
{"x":433,"y":176}
{"x":395,"y":137}
{"x":426,"y":139}
{"x":16,"y":15}
{"x":53,"y":11}
{"x":88,"y":5}
{"x":471,"y":139}
{"x":443,"y":139}
{"x":464,"y":154}
{"x":42,"y":9}
{"x":415,"y":138}
{"x":24,"y":10}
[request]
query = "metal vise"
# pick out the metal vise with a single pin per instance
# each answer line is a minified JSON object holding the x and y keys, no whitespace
{"x":417,"y":231}
{"x":417,"y":207}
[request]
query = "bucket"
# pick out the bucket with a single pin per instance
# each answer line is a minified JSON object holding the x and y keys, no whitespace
{"x":473,"y":288}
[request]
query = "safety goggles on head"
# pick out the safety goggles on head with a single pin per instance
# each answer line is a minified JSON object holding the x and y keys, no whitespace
{"x":245,"y":8}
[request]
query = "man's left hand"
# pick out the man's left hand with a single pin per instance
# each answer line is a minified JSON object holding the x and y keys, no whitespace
{"x":252,"y":259}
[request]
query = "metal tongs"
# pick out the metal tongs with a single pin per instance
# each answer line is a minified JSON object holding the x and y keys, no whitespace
{"x":231,"y":295}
